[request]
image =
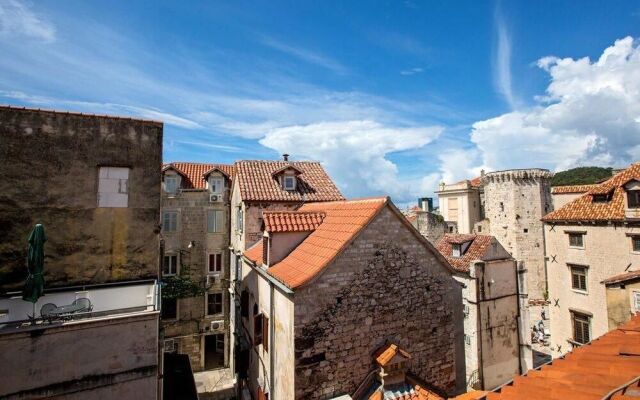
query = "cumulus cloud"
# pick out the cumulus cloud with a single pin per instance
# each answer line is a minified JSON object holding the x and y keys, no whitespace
{"x":17,"y":19}
{"x":589,"y":115}
{"x":355,"y":152}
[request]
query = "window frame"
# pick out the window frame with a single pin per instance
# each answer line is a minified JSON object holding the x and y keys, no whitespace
{"x":454,"y":247}
{"x":218,"y":218}
{"x":290,"y":178}
{"x":585,"y":274}
{"x":172,"y":178}
{"x":571,"y":235}
{"x":635,"y":243}
{"x":218,"y":179}
{"x":580,"y":319}
{"x":176,"y":265}
{"x":208,"y":303}
{"x":164,"y":226}
{"x":633,"y":194}
{"x":218,"y":261}
{"x":239,"y":219}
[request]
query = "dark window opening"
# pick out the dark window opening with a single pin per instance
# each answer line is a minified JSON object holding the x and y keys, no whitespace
{"x":169,"y":309}
{"x":214,"y":303}
{"x":633,"y":198}
{"x":635,"y":240}
{"x":244,"y":304}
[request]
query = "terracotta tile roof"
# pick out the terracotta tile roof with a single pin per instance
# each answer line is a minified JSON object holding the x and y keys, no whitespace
{"x":476,"y":182}
{"x":589,"y":372}
{"x":387,"y":352}
{"x":474,"y":395}
{"x":342,"y":222}
{"x":257,"y":182}
{"x":291,"y":221}
{"x":193,"y":173}
{"x":572,"y":189}
{"x":584,"y":209}
{"x":475,"y":251}
{"x":627,"y":276}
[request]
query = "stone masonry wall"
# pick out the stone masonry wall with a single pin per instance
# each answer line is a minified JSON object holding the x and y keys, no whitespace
{"x":430,"y":225}
{"x":515,"y":201}
{"x":192,"y":322}
{"x":49,"y":175}
{"x":385,"y":286}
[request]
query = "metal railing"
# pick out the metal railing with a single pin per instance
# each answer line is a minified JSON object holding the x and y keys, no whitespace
{"x":50,"y":322}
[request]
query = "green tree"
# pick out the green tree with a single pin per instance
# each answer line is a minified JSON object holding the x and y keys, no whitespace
{"x":581,"y":176}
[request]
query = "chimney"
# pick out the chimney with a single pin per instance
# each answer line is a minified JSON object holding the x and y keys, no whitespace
{"x":285,"y":157}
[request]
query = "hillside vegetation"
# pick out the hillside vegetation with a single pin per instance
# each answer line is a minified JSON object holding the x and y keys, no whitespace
{"x":581,"y":176}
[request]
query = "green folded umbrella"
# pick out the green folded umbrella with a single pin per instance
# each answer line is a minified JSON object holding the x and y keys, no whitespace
{"x":34,"y":286}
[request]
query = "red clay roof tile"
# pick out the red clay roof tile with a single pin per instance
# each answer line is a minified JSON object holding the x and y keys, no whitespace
{"x":572,"y":189}
{"x":627,"y":276}
{"x":193,"y":173}
{"x":584,"y":209}
{"x":257,"y":182}
{"x":291,"y":221}
{"x":475,"y":251}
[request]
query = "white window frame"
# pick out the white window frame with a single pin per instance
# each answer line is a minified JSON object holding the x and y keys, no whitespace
{"x":164,"y":225}
{"x":218,"y":218}
{"x":456,"y":248}
{"x":291,"y":179}
{"x":206,"y":304}
{"x":586,"y":277}
{"x":113,"y":187}
{"x":176,"y":181}
{"x":219,"y":267}
{"x":573,"y":246}
{"x":216,"y":184}
{"x":176,"y":267}
{"x":239,"y":219}
{"x":636,"y":301}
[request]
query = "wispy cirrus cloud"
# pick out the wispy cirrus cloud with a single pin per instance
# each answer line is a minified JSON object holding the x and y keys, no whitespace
{"x":305,"y":55}
{"x":412,"y":71}
{"x":502,"y":62}
{"x":17,"y":19}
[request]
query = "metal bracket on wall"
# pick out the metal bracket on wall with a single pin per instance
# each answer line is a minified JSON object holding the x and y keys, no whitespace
{"x":552,"y":227}
{"x":553,"y":259}
{"x":558,"y":348}
{"x":557,"y":302}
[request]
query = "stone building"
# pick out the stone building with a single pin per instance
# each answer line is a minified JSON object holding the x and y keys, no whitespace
{"x":195,"y":234}
{"x":497,"y":343}
{"x":330,"y":284}
{"x":590,"y":240}
{"x":430,"y":224}
{"x":562,"y":195}
{"x":623,"y":297}
{"x":94,"y":183}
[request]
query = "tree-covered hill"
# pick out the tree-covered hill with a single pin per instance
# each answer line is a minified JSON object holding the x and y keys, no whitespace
{"x":581,"y":176}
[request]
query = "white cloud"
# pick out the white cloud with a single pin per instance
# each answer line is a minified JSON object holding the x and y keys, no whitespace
{"x":17,"y":18}
{"x":305,"y":55}
{"x":589,"y":116}
{"x":355,"y":152}
{"x":502,"y":72}
{"x":411,"y":71}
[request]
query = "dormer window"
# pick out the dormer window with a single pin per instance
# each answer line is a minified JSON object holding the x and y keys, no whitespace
{"x":633,"y":199}
{"x":456,"y":250}
{"x":170,"y":183}
{"x":601,"y":198}
{"x":289,"y":182}
{"x":216,"y":184}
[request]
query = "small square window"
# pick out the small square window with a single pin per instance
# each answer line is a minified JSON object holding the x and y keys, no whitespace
{"x":633,"y":199}
{"x":456,"y":250}
{"x":576,"y":240}
{"x":579,"y":278}
{"x":169,"y":309}
{"x":289,"y":183}
{"x":214,"y":303}
{"x":635,"y":243}
{"x":170,"y":184}
{"x":216,"y":184}
{"x":170,"y":265}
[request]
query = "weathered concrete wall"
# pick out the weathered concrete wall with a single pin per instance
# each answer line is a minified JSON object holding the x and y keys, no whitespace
{"x":385,"y":286}
{"x":607,"y":252}
{"x":50,"y":176}
{"x":193,"y":323}
{"x":111,"y":355}
{"x":621,"y":303}
{"x":430,"y":225}
{"x":515,"y":201}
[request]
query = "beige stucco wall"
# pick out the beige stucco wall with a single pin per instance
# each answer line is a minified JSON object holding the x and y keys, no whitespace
{"x":468,"y":202}
{"x":621,"y":303}
{"x":607,"y":251}
{"x":83,"y":359}
{"x":560,"y":199}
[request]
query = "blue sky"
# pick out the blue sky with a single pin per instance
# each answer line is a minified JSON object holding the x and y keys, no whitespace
{"x":391,"y":96}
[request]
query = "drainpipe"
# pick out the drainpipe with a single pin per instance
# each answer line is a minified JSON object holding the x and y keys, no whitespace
{"x":271,"y":342}
{"x":520,"y":358}
{"x":479,"y":324}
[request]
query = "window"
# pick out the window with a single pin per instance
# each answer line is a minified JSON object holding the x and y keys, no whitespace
{"x":244,"y":303}
{"x":581,"y":329}
{"x":289,"y":182}
{"x":170,"y":346}
{"x":170,"y":184}
{"x":452,"y":209}
{"x":456,"y":250}
{"x":239,"y":219}
{"x":215,"y":263}
{"x":501,"y":206}
{"x":170,"y":221}
{"x":636,"y":301}
{"x":169,"y":309}
{"x":601,"y":198}
{"x":170,"y":265}
{"x":635,"y":243}
{"x":113,"y":187}
{"x":579,"y":278}
{"x":216,"y":184}
{"x":576,"y":240}
{"x":633,"y":198}
{"x":214,"y":221}
{"x":214,"y":303}
{"x":261,"y":331}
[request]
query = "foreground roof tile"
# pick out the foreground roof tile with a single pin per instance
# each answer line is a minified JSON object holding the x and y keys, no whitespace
{"x":291,"y":221}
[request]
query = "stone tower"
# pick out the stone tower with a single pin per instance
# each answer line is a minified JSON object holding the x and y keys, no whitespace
{"x":514,"y":202}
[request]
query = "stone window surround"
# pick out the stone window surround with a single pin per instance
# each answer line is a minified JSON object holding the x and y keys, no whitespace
{"x":571,"y":233}
{"x":165,"y":211}
{"x":206,"y":305}
{"x":171,"y":253}
{"x":289,"y":182}
{"x":635,"y":238}
{"x":221,"y":223}
{"x":219,"y":267}
{"x":571,"y":266}
{"x":172,"y":175}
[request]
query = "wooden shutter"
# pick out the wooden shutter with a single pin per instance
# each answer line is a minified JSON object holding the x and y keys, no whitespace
{"x":244,"y":304}
{"x":257,"y":329}
{"x":265,"y":332}
{"x":218,"y":262}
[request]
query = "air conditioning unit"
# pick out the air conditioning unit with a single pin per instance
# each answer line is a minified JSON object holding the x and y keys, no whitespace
{"x":216,"y":325}
{"x":170,"y":346}
{"x":215,"y":198}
